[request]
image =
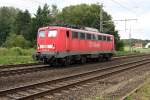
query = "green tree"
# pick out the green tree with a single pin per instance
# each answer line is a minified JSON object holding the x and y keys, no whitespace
{"x":54,"y":11}
{"x":22,"y":24}
{"x":16,"y":41}
{"x":42,"y":18}
{"x":86,"y":15}
{"x":54,"y":14}
{"x":119,"y":44}
{"x":7,"y":18}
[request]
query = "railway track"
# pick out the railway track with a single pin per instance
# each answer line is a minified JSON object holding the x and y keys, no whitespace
{"x":23,"y":70}
{"x":63,"y":83}
{"x":33,"y":64}
{"x":11,"y":70}
{"x":18,"y":65}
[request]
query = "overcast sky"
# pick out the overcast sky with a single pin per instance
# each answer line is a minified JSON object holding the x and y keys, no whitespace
{"x":118,"y":9}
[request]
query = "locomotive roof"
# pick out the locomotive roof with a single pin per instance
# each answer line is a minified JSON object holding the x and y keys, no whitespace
{"x":76,"y":30}
{"x":85,"y":31}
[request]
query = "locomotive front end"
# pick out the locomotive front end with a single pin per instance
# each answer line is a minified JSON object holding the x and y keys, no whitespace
{"x":46,"y":44}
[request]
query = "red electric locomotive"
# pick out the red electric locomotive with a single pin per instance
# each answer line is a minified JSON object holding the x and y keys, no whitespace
{"x":65,"y":45}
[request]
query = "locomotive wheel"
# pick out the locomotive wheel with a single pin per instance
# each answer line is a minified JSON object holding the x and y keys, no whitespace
{"x":67,"y":61}
{"x":45,"y":61}
{"x":83,"y":60}
{"x":64,"y":63}
{"x":100,"y":58}
{"x":97,"y":59}
{"x":53,"y":63}
{"x":108,"y":57}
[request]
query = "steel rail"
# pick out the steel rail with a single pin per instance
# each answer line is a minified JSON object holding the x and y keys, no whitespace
{"x":29,"y":68}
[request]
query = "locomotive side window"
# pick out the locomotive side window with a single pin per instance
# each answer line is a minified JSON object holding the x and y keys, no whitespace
{"x":99,"y":37}
{"x":96,"y":37}
{"x":88,"y":36}
{"x":108,"y":39}
{"x":82,"y":36}
{"x":74,"y":35}
{"x":41,"y":34}
{"x":104,"y":38}
{"x":52,"y":33}
{"x":93,"y":37}
{"x":67,"y":34}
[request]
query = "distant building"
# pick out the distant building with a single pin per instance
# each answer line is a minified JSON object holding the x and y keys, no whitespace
{"x":138,"y":45}
{"x":147,"y":45}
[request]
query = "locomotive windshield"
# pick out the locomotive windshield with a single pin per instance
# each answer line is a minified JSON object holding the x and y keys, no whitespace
{"x":41,"y":34}
{"x":52,"y":33}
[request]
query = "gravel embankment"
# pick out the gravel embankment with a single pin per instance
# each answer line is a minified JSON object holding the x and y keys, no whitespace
{"x":34,"y":77}
{"x":113,"y":88}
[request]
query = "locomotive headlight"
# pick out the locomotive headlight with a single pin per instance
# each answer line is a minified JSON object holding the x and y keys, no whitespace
{"x":51,"y":46}
{"x":47,"y":46}
{"x":42,"y":46}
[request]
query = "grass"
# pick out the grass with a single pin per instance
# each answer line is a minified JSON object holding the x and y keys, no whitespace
{"x":15,"y":59}
{"x":134,"y":51}
{"x":142,"y":50}
{"x":16,"y":55}
{"x":144,"y":92}
{"x":138,"y":50}
{"x":141,"y":94}
{"x":121,"y":53}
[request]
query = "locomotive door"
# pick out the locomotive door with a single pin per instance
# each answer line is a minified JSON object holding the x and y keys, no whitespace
{"x":74,"y":45}
{"x":67,"y":41}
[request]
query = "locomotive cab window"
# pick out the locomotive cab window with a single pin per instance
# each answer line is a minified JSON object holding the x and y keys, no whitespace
{"x":74,"y":35}
{"x":52,"y":33}
{"x":41,"y":34}
{"x":104,"y":38}
{"x":93,"y":37}
{"x":67,"y":34}
{"x":99,"y":37}
{"x":82,"y":36}
{"x":88,"y":36}
{"x":108,"y":39}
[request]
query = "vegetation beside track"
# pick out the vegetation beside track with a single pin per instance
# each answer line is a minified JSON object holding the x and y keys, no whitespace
{"x":16,"y":55}
{"x":144,"y":92}
{"x":122,"y":53}
{"x":138,"y":50}
{"x":141,"y":94}
{"x":143,"y":50}
{"x":134,"y":51}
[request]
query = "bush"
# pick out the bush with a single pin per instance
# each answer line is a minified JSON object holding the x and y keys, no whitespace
{"x":16,"y":41}
{"x":16,"y":55}
{"x":16,"y":51}
{"x":119,"y":45}
{"x":28,"y":52}
{"x":3,"y":51}
{"x":22,"y":52}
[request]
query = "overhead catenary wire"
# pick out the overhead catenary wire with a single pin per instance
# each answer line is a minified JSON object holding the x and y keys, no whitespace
{"x":42,"y":2}
{"x":121,"y":5}
{"x":37,"y":2}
